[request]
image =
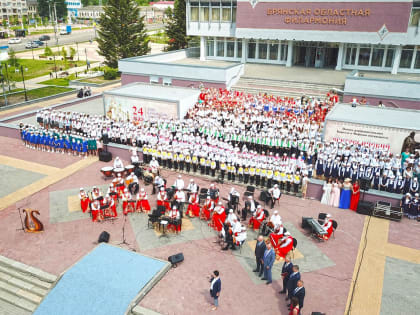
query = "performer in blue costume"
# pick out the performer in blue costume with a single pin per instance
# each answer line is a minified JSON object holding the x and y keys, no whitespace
{"x":345,"y":195}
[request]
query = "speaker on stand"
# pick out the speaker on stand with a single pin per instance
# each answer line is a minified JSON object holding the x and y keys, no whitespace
{"x":104,"y":155}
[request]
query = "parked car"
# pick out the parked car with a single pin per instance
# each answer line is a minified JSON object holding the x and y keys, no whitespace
{"x":15,"y":40}
{"x":38,"y":42}
{"x":44,"y":38}
{"x":31,"y":45}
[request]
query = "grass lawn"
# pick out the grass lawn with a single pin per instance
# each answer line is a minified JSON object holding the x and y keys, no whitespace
{"x":60,"y":81}
{"x":33,"y":94}
{"x":159,"y":38}
{"x":37,"y":68}
{"x":98,"y":80}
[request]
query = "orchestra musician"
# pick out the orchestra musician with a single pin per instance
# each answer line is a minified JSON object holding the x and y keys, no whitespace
{"x":154,"y":166}
{"x":112,"y":192}
{"x":327,"y":227}
{"x":175,"y":219}
{"x":207,"y":209}
{"x":118,"y":163}
{"x":286,"y":245}
{"x":84,"y":200}
{"x":111,"y":210}
{"x":234,"y":199}
{"x":97,"y":195}
{"x":179,"y":183}
{"x":120,"y":185}
{"x":238,"y":240}
{"x":128,"y":202}
{"x":232,"y":233}
{"x":142,"y":201}
{"x":219,"y":216}
{"x":179,"y":199}
{"x":162,"y":198}
{"x":276,"y":236}
{"x":275,"y":194}
{"x":158,"y":183}
{"x":276,"y":219}
{"x":257,"y":218}
{"x":97,"y":214}
{"x":192,"y":186}
{"x":193,"y":206}
{"x":231,"y":217}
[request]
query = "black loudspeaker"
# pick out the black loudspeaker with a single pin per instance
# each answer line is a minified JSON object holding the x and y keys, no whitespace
{"x":103,"y":237}
{"x":105,"y":138}
{"x":264,"y":196}
{"x":105,"y":156}
{"x":364,"y":183}
{"x":175,"y":259}
{"x":365,"y":207}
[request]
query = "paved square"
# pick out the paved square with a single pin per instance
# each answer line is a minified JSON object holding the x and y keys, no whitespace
{"x":12,"y":179}
{"x":401,"y":283}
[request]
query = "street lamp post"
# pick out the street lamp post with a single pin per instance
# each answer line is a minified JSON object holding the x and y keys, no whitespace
{"x":55,"y":65}
{"x":23,"y":80}
{"x":77,"y":46}
{"x":2,"y":84}
{"x":32,"y":48}
{"x":7,"y":76}
{"x":87,"y":62}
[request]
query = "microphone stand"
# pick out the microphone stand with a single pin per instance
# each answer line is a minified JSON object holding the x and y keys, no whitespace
{"x":123,"y":233}
{"x":21,"y":222}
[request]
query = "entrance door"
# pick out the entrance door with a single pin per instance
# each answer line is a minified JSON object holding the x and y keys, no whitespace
{"x":331,"y":57}
{"x":315,"y":54}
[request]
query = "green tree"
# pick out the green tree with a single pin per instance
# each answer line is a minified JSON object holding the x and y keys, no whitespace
{"x":48,"y":52}
{"x":72,"y":52}
{"x":13,"y":60}
{"x":44,"y":10}
{"x":122,"y":33}
{"x":176,"y":26}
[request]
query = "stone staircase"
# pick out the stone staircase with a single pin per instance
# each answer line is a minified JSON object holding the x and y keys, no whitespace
{"x":284,"y":87}
{"x":22,"y":287}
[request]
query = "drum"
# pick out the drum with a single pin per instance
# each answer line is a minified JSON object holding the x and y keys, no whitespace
{"x":129,"y":169}
{"x":107,"y":171}
{"x":118,"y":170}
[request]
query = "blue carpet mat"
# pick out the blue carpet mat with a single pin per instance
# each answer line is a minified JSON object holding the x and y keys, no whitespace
{"x":103,"y":282}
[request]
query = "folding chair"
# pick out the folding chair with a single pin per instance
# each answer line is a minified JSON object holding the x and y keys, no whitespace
{"x":335,"y":225}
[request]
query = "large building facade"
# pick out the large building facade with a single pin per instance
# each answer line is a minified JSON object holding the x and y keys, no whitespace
{"x":378,"y":35}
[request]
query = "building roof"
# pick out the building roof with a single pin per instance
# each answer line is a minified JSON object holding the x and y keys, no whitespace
{"x":148,"y":91}
{"x":162,"y":2}
{"x":376,"y":116}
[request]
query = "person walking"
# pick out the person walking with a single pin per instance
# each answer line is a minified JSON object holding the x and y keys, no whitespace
{"x":215,"y":288}
{"x":268,"y":261}
{"x":260,"y":248}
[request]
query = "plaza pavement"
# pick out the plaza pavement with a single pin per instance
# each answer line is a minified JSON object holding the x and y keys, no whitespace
{"x":389,"y":252}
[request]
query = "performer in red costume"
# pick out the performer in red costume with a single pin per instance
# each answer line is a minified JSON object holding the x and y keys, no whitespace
{"x":142,"y":201}
{"x":112,"y":208}
{"x":162,"y":199}
{"x":193,"y":206}
{"x":84,"y":200}
{"x":208,"y":209}
{"x":97,"y":214}
{"x":128,"y":203}
{"x":276,"y":237}
{"x":328,"y":227}
{"x":256,"y":220}
{"x":355,"y":196}
{"x":286,"y":245}
{"x":219,"y":217}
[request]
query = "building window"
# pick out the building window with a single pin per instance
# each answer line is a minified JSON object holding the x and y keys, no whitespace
{"x":220,"y":48}
{"x":377,"y":56}
{"x":262,"y":50}
{"x":215,"y":14}
{"x":274,"y":51}
{"x":226,"y":14}
{"x":154,"y":80}
{"x":364,"y":55}
{"x":351,"y":55}
{"x":283,"y":52}
{"x":194,"y":14}
{"x":204,"y":14}
{"x":167,"y":81}
{"x":389,"y":57}
{"x":417,"y":61}
{"x":251,"y":50}
{"x":239,"y":51}
{"x":210,"y":47}
{"x":233,"y":15}
{"x":406,"y":57}
{"x":230,"y":49}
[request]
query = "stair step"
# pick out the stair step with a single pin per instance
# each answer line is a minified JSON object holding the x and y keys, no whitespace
{"x":24,"y":277}
{"x":282,"y":90}
{"x":17,"y":301}
{"x":23,"y":284}
{"x":21,"y":293}
{"x":139,"y":310}
{"x":20,"y":267}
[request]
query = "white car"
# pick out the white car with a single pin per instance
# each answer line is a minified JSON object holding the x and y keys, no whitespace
{"x":15,"y":40}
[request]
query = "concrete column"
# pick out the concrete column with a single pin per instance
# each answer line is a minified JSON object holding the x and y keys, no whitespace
{"x":202,"y":48}
{"x":244,"y":50}
{"x":397,"y":59}
{"x":289,"y":53}
{"x":340,"y":57}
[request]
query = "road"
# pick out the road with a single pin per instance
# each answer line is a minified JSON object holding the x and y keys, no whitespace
{"x":76,"y":36}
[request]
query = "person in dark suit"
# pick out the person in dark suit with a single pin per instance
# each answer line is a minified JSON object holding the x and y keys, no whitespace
{"x":292,"y":282}
{"x":286,"y":271}
{"x":299,"y":293}
{"x":215,"y":288}
{"x":268,"y":261}
{"x":259,"y":255}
